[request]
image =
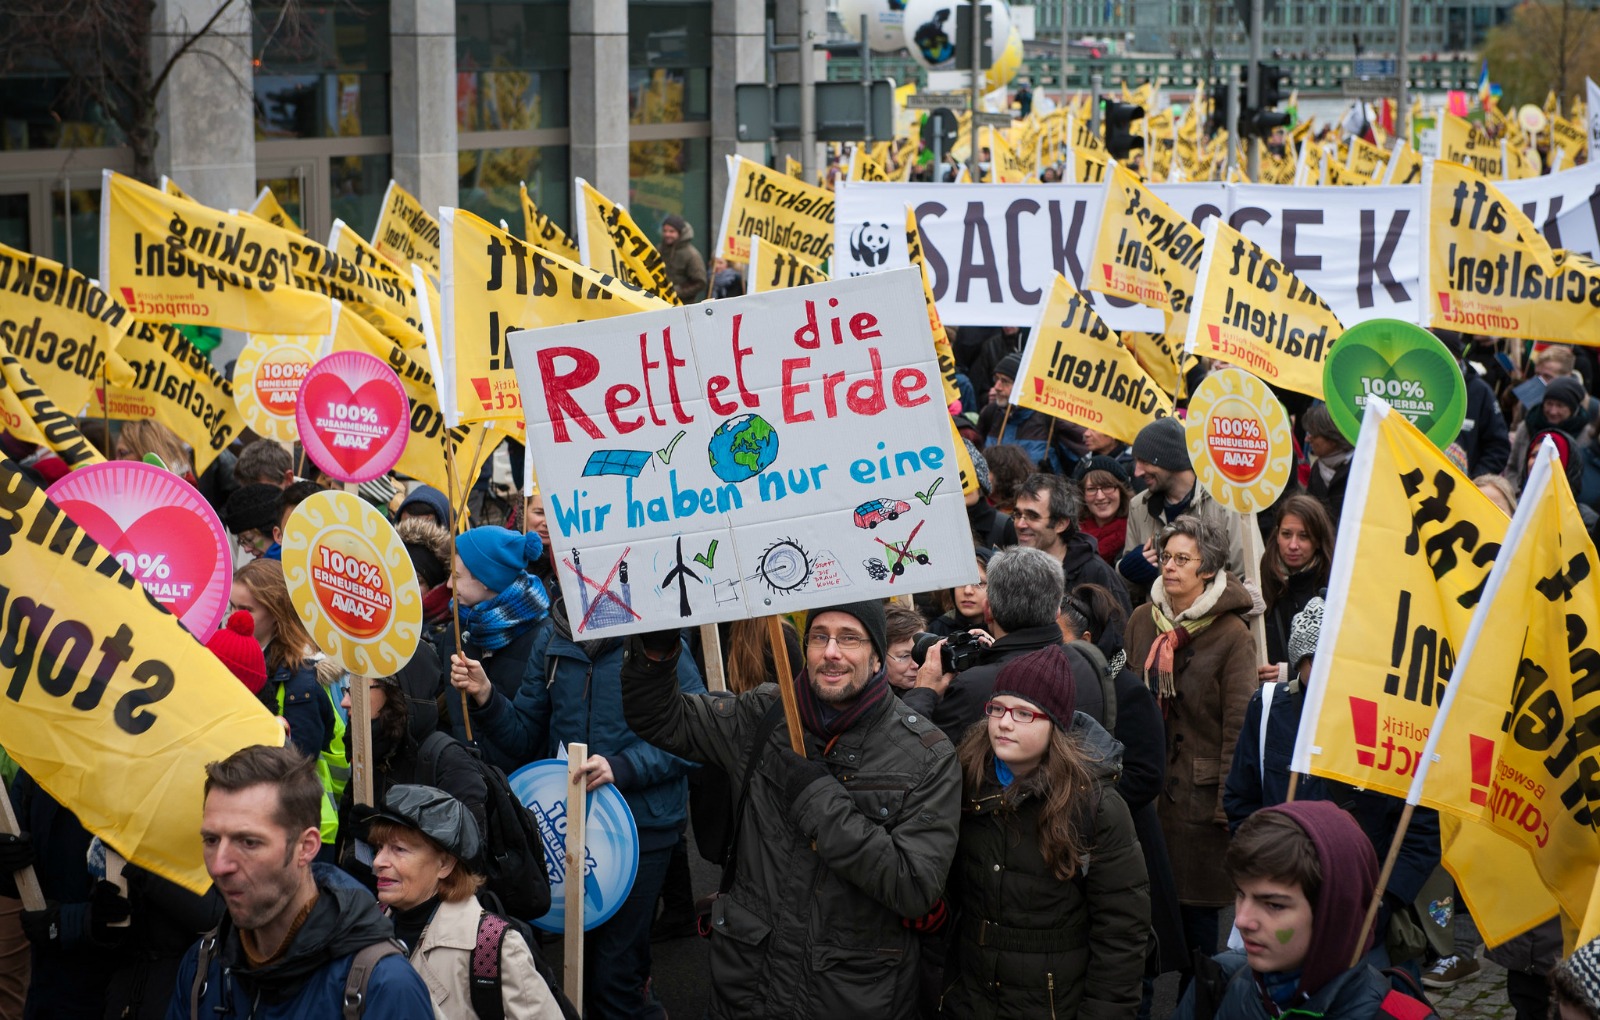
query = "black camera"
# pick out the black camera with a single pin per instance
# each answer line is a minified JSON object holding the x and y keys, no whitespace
{"x":960,"y":650}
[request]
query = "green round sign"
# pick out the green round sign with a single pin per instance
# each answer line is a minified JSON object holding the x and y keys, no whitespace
{"x":1405,"y":365}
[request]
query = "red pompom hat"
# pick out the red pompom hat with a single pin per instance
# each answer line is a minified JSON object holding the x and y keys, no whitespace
{"x":235,"y":644}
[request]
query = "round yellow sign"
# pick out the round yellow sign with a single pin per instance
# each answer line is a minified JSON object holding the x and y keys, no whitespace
{"x":1239,"y":441}
{"x":266,"y":382}
{"x":352,"y":583}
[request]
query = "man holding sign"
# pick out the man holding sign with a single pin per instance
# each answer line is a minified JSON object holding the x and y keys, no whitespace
{"x":832,"y":851}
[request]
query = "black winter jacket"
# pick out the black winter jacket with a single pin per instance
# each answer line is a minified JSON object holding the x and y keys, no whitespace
{"x":1028,"y":943}
{"x":962,"y":704}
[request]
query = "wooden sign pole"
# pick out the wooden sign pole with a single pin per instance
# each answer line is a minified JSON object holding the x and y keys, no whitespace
{"x":791,"y":707}
{"x":360,"y":734}
{"x":27,"y":879}
{"x":1253,"y":551}
{"x":572,"y":956}
{"x":711,"y":651}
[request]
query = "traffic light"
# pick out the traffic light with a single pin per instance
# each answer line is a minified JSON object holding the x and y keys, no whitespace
{"x":1220,"y":97}
{"x":1118,"y":121}
{"x":1261,"y":120}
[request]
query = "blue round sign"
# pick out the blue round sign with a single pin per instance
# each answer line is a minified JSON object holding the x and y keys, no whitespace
{"x":611,"y":850}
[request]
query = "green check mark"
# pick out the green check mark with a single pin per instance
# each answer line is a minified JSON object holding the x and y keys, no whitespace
{"x":707,"y":559}
{"x":666,"y":454}
{"x":927,"y":497}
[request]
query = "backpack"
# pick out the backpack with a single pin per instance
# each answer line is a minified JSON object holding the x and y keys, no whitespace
{"x":513,"y":851}
{"x":484,"y":980}
{"x":1406,"y":999}
{"x":362,"y":964}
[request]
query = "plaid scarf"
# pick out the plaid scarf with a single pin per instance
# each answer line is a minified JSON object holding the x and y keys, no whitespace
{"x":494,"y":624}
{"x":826,"y":722}
{"x":1174,"y":631}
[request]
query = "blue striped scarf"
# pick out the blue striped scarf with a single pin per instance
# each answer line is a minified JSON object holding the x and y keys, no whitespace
{"x":496,"y":623}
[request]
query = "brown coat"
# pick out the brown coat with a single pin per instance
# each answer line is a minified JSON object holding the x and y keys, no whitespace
{"x":1215,"y":675}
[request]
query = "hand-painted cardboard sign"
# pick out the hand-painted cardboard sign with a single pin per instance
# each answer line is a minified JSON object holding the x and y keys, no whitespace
{"x":758,"y":455}
{"x":354,"y":416}
{"x":160,"y":530}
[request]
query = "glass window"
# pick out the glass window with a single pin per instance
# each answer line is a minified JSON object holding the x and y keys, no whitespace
{"x":287,"y":191}
{"x":511,"y":61}
{"x":355,"y":188}
{"x":671,"y":177}
{"x":669,"y":62}
{"x":325,"y":75}
{"x":489,"y":179}
{"x":39,"y":111}
{"x":15,"y":229}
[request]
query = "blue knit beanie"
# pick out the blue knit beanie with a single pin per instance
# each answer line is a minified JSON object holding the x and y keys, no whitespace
{"x":496,"y":556}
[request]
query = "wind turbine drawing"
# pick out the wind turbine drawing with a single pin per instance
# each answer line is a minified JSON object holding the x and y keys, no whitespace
{"x":683,"y":575}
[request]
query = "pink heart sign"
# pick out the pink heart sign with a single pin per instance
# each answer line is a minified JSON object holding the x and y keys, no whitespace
{"x":353,"y":416}
{"x":160,"y":530}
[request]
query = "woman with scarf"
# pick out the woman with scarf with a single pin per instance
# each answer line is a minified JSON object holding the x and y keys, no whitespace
{"x":501,"y":602}
{"x":1194,"y":650}
{"x":1566,"y":408}
{"x":1049,"y":888}
{"x":1330,"y":471}
{"x":1293,"y":572}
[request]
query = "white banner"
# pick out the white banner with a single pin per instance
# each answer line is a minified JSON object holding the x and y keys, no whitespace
{"x":1591,"y":113}
{"x":756,"y":455}
{"x":993,"y":249}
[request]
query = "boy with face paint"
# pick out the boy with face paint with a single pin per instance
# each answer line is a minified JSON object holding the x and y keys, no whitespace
{"x":1303,"y":874}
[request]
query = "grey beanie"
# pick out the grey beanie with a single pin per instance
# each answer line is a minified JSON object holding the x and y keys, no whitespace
{"x":873,"y":620}
{"x":1303,"y":633}
{"x":1009,"y":365}
{"x":1162,"y":443}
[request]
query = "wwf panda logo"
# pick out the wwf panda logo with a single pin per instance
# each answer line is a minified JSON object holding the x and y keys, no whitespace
{"x":869,"y":244}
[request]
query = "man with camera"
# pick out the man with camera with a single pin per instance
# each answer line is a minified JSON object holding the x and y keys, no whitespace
{"x":956,"y":676}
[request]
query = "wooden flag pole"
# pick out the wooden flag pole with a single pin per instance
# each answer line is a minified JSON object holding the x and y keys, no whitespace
{"x":1383,"y":880}
{"x":711,"y":651}
{"x":27,"y":879}
{"x":455,"y":606}
{"x":1294,"y":781}
{"x":360,"y":733}
{"x":572,"y":954}
{"x":780,"y":661}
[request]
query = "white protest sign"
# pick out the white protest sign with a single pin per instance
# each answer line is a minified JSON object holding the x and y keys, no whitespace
{"x":992,"y":251}
{"x":757,"y":455}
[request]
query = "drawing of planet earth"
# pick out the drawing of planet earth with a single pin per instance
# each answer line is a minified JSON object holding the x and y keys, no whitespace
{"x":742,"y":448}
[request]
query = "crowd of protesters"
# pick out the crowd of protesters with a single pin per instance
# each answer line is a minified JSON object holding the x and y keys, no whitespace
{"x":1031,"y":795}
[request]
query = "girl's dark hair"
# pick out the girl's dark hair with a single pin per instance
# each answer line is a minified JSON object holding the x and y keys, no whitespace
{"x":1274,"y":575}
{"x":947,"y":596}
{"x":1068,"y":789}
{"x":1092,"y":608}
{"x":1009,"y":467}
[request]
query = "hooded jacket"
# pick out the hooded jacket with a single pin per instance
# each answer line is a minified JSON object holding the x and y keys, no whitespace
{"x":684,"y":266}
{"x":1214,"y":674}
{"x":429,"y":499}
{"x":813,"y":924}
{"x":1328,"y":987}
{"x":1028,"y":943}
{"x":1082,"y":564}
{"x":572,"y":692}
{"x":309,"y":980}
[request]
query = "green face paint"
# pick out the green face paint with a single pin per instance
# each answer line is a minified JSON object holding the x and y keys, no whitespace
{"x":1285,"y":936}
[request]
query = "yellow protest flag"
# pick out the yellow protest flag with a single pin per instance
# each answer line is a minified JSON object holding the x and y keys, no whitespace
{"x":964,"y":465}
{"x":1405,"y":166}
{"x":1252,"y":312}
{"x":1160,"y":359}
{"x":1007,"y":165}
{"x":941,"y":338}
{"x":1489,"y":271}
{"x":495,"y":283}
{"x":1365,"y":159}
{"x":793,"y":168}
{"x":175,"y":384}
{"x":1415,"y":545}
{"x":1569,"y":138}
{"x":28,"y":413}
{"x":1077,"y":369}
{"x":539,"y":229}
{"x":114,"y":708}
{"x":268,"y":208}
{"x":170,"y":259}
{"x":62,"y":326}
{"x":1085,"y":166}
{"x":774,"y":268}
{"x":1508,"y":743}
{"x":354,"y":272}
{"x":1145,"y":252}
{"x":169,"y":186}
{"x":776,"y":207}
{"x":405,"y":232}
{"x":1461,"y":142}
{"x":609,"y":241}
{"x":863,"y":167}
{"x":1496,"y":879}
